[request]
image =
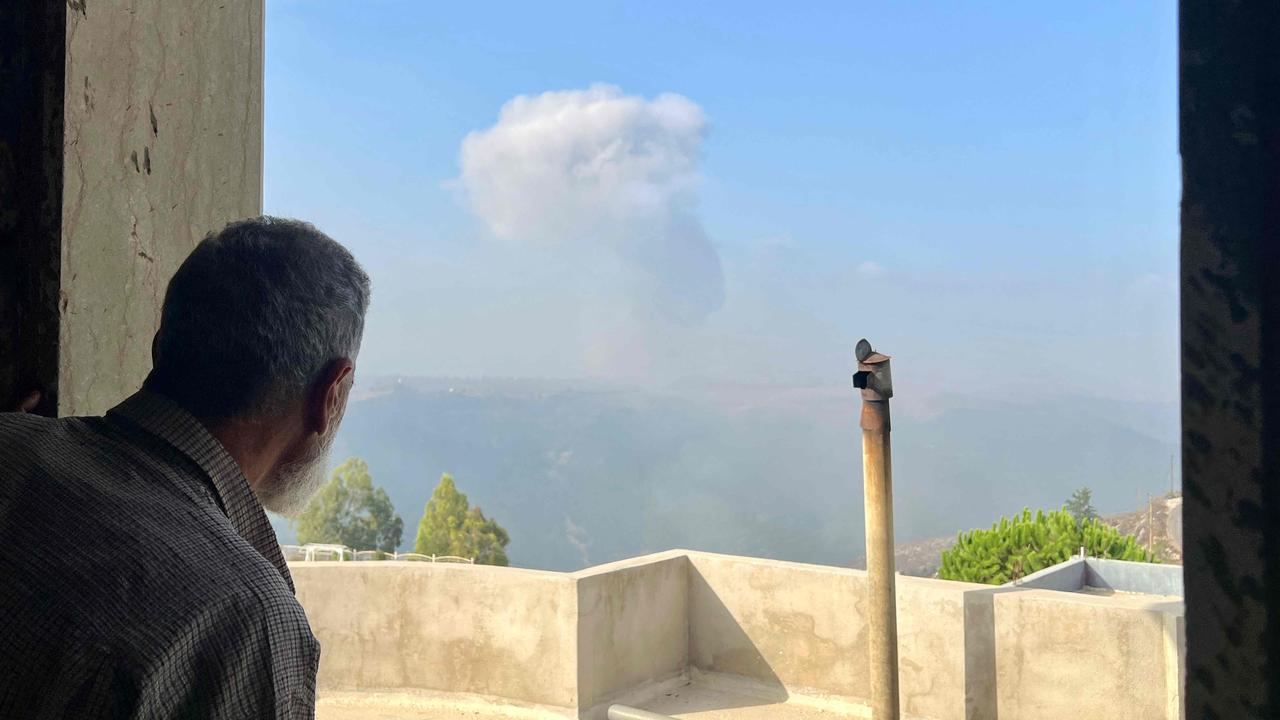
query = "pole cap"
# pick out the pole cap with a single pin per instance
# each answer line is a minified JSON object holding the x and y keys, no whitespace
{"x":874,"y":377}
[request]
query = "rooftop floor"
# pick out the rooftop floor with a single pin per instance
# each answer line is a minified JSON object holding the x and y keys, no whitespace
{"x":702,"y":700}
{"x":698,"y":700}
{"x":419,"y":705}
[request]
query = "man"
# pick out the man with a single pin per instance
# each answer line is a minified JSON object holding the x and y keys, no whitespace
{"x":139,"y":575}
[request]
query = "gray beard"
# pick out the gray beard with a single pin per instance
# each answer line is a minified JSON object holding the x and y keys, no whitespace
{"x":290,"y":488}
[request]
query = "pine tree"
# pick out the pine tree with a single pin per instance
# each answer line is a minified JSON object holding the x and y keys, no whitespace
{"x":1081,"y":505}
{"x":1015,"y":548}
{"x":486,"y":539}
{"x":449,"y":526}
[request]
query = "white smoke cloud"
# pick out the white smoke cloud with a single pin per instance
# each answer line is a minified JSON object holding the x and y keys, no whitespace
{"x":608,"y":177}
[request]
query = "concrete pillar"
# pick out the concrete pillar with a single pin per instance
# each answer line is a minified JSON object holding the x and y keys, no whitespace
{"x":1230,"y":145}
{"x":135,"y":129}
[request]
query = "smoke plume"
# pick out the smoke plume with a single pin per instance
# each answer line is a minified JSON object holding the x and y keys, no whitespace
{"x":612,"y":180}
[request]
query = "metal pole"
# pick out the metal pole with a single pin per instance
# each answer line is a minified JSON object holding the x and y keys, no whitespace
{"x":876,"y":383}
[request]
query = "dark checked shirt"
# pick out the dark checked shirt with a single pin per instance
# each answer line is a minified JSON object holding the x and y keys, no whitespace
{"x":139,"y":575}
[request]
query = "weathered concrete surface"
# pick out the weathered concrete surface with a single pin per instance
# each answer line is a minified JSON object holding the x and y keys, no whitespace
{"x":633,"y":627}
{"x":1067,"y":576}
{"x":709,"y":696}
{"x":1077,"y":575}
{"x":490,"y":631}
{"x":162,"y":144}
{"x":705,"y":698}
{"x":1075,"y":655}
{"x":753,"y":636}
{"x":980,"y":702}
{"x":426,"y":705}
{"x":1134,"y":577}
{"x":802,"y":628}
{"x":931,"y":647}
{"x":785,"y":625}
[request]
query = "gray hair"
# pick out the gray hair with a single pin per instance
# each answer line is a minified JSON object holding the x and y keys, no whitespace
{"x":254,"y":315}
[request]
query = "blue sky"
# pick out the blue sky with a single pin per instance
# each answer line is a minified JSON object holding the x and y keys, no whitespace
{"x":987,"y":190}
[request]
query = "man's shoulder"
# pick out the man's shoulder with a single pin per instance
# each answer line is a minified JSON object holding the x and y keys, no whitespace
{"x":13,"y":421}
{"x":38,"y":443}
{"x":202,"y":566}
{"x":243,"y":589}
{"x":17,"y":424}
{"x":239,"y":575}
{"x":126,"y":556}
{"x":17,"y":428}
{"x":98,"y":509}
{"x":198,"y":600}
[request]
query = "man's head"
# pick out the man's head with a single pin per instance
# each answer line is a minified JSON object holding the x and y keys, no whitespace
{"x":259,"y":334}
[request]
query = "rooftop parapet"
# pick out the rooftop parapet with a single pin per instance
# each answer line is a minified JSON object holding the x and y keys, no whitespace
{"x":688,"y":632}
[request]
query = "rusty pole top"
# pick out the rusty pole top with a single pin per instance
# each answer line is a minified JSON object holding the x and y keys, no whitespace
{"x":875,"y":380}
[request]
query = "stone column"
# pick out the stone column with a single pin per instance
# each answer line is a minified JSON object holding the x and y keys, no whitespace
{"x":1230,"y":144}
{"x":138,"y":130}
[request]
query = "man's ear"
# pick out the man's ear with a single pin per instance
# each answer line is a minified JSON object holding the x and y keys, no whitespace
{"x":329,"y":395}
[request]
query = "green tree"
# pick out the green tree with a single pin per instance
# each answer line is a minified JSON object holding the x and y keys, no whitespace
{"x":1081,"y":505}
{"x":1014,"y":548}
{"x":450,"y":526}
{"x":486,"y":539}
{"x":350,"y":511}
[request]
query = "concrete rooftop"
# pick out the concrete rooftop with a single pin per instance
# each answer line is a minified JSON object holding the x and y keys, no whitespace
{"x":698,"y":635}
{"x":701,"y":699}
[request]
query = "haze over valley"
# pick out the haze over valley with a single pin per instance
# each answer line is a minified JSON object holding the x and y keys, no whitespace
{"x":583,"y":472}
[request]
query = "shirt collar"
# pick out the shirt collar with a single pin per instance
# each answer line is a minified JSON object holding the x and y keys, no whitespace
{"x":165,"y":419}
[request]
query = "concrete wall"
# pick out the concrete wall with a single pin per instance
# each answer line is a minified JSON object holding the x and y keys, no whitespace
{"x":784,"y":625}
{"x":436,"y":626}
{"x":162,"y":144}
{"x":1118,"y":575}
{"x":802,"y":628}
{"x":932,"y":668}
{"x":1068,"y":576}
{"x":980,"y":701}
{"x":633,"y":628}
{"x":1076,"y":655}
{"x":1134,"y":577}
{"x":627,"y":631}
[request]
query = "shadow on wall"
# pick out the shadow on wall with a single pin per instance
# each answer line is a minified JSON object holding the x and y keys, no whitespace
{"x":980,"y":691}
{"x":733,"y":653}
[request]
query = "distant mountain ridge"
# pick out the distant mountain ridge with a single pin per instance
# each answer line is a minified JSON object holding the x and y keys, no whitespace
{"x":582,"y":473}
